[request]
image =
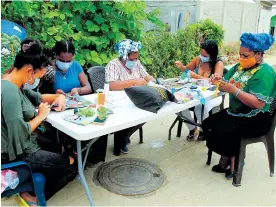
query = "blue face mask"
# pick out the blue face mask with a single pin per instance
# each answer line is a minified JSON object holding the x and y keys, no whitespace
{"x":204,"y":59}
{"x":62,"y":65}
{"x":130,"y":64}
{"x":28,"y":86}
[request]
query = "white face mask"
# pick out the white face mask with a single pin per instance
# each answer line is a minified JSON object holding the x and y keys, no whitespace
{"x":131,"y":64}
{"x":204,"y":59}
{"x":28,"y":86}
{"x":62,"y":65}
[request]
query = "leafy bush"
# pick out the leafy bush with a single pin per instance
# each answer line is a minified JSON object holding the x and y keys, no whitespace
{"x":10,"y":46}
{"x":162,"y":49}
{"x":230,"y":49}
{"x":159,"y":53}
{"x":187,"y":43}
{"x":93,"y":26}
{"x":207,"y":29}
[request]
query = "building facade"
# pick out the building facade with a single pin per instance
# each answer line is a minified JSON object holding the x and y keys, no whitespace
{"x":235,"y":16}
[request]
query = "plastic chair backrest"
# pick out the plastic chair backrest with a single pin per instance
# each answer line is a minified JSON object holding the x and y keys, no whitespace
{"x":225,"y":71}
{"x":96,"y":76}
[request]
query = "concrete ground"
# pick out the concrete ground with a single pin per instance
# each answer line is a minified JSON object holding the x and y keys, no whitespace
{"x":188,"y":180}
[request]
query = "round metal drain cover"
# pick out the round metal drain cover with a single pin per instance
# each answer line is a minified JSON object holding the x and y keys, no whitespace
{"x":129,"y":176}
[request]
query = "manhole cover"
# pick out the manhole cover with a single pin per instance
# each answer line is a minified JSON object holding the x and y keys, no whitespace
{"x":129,"y":176}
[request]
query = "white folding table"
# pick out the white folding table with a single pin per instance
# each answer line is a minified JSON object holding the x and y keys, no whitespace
{"x":126,"y":115}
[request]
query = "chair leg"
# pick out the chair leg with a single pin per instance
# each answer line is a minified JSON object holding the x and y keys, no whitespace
{"x":141,"y":135}
{"x":270,"y":153}
{"x":239,"y":162}
{"x":209,"y":157}
{"x":222,"y":103}
{"x":39,"y":182}
{"x":179,"y":128}
{"x":170,"y":130}
{"x":195,"y":118}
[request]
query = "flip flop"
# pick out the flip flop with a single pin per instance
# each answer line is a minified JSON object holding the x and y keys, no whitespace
{"x":32,"y":203}
{"x":21,"y":202}
{"x":200,"y":138}
{"x":190,"y":138}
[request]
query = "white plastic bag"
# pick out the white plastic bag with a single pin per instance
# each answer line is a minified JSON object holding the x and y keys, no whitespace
{"x":9,"y":178}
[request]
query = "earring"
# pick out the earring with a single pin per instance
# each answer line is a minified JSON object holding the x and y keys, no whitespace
{"x":30,"y":80}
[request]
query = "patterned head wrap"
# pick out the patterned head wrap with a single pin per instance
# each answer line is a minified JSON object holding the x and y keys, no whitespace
{"x":125,"y":47}
{"x":257,"y":42}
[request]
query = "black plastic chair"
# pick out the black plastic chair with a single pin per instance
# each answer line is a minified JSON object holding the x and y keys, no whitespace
{"x":180,"y":119}
{"x":267,"y":139}
{"x":96,"y":77}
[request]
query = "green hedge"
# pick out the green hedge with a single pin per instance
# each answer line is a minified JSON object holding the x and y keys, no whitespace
{"x":95,"y":26}
{"x":162,"y":49}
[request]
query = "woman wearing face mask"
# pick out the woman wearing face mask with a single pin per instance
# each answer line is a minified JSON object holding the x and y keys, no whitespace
{"x":127,"y":70}
{"x":69,"y":77}
{"x":19,"y":120}
{"x":203,"y":67}
{"x":251,"y":85}
{"x":124,"y":72}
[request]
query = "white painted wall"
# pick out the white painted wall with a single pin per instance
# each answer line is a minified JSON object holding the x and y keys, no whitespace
{"x":236,"y":16}
{"x":264,"y":25}
{"x":174,"y":13}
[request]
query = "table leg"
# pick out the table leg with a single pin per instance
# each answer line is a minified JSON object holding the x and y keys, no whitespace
{"x":87,"y":148}
{"x":202,"y":113}
{"x":57,"y":135}
{"x":81,"y":175}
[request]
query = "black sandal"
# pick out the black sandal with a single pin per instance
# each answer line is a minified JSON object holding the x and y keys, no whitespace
{"x":218,"y":169}
{"x":200,"y":137}
{"x":190,"y":137}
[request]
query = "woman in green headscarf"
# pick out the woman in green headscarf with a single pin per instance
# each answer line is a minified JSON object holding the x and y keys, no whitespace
{"x":252,"y":87}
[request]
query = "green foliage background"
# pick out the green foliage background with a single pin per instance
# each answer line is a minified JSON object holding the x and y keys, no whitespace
{"x":95,"y":26}
{"x":162,"y":49}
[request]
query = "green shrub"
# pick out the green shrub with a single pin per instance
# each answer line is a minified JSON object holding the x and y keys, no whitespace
{"x":230,"y":49}
{"x":94,"y":26}
{"x":207,"y":29}
{"x":159,"y":54}
{"x":187,"y":43}
{"x":162,"y":49}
